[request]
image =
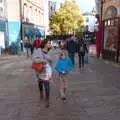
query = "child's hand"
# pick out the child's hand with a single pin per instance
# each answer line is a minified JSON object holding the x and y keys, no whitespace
{"x":51,"y":79}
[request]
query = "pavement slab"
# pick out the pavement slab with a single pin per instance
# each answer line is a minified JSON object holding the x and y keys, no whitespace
{"x":94,"y":93}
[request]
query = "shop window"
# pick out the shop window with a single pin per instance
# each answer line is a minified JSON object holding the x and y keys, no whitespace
{"x":106,"y":24}
{"x":112,"y":22}
{"x":110,"y":38}
{"x":109,"y":22}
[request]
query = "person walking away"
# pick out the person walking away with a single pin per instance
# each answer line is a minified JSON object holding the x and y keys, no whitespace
{"x":28,"y":49}
{"x":36,"y":43}
{"x":40,"y":55}
{"x":82,"y":50}
{"x":63,"y":66}
{"x":71,"y":48}
{"x":31,"y":48}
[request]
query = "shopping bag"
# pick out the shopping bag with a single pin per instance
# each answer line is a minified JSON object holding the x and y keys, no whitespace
{"x":86,"y":59}
{"x":38,"y":66}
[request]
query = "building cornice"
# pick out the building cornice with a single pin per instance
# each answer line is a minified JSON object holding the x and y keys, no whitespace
{"x":35,"y":5}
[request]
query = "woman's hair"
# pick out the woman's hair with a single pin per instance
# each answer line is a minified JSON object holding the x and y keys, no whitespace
{"x":43,"y":43}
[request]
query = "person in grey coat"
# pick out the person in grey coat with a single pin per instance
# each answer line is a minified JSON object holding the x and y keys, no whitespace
{"x":40,"y":55}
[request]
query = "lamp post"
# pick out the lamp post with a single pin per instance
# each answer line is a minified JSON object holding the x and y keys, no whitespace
{"x":101,"y":26}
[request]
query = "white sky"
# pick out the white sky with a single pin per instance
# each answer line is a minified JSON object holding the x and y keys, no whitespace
{"x":85,"y":5}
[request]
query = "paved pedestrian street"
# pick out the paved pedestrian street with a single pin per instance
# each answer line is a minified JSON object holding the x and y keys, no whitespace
{"x":94,"y":93}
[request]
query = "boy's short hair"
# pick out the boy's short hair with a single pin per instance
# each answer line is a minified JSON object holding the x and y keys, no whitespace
{"x":63,"y":53}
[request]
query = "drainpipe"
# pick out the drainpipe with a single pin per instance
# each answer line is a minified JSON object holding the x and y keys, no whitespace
{"x":20,"y":1}
{"x":21,"y":27}
{"x":101,"y":27}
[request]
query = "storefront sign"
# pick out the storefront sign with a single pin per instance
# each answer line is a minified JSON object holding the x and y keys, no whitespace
{"x":14,"y":31}
{"x":2,"y":41}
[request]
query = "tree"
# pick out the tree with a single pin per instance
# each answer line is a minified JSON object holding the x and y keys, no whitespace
{"x":67,"y":19}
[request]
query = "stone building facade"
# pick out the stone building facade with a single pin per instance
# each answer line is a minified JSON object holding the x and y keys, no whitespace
{"x":33,"y":16}
{"x":25,"y":20}
{"x":98,"y":6}
{"x":111,"y":30}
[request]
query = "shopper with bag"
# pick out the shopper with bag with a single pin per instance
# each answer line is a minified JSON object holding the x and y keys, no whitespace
{"x":63,"y":66}
{"x":82,"y":52}
{"x":41,"y":65}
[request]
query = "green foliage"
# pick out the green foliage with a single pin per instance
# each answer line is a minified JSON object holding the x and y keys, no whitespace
{"x":67,"y":19}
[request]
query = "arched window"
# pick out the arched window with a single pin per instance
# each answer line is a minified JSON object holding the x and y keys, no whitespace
{"x":110,"y":12}
{"x":25,"y":10}
{"x":39,"y":18}
{"x":35,"y":20}
{"x":42,"y":19}
{"x":30,"y":13}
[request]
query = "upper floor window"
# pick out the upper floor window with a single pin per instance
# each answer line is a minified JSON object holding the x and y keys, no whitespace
{"x":1,"y":1}
{"x":1,"y":11}
{"x":25,"y":10}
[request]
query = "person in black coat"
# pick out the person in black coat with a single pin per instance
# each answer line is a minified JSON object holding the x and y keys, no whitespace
{"x":71,"y":48}
{"x":82,"y":50}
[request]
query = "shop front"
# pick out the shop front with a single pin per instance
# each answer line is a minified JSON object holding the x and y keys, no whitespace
{"x":30,"y":33}
{"x":111,"y":32}
{"x":111,"y":41}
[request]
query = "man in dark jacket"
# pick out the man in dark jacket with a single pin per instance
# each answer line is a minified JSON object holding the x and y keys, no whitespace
{"x":82,"y":50}
{"x":71,"y":48}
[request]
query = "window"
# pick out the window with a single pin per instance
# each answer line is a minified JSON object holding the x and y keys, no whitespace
{"x":42,"y":19}
{"x":35,"y":20}
{"x":1,"y":1}
{"x":1,"y":11}
{"x":39,"y":18}
{"x":30,"y":14}
{"x":25,"y":10}
{"x":87,"y":19}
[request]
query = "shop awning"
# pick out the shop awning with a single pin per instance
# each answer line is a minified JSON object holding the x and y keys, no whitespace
{"x":34,"y":32}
